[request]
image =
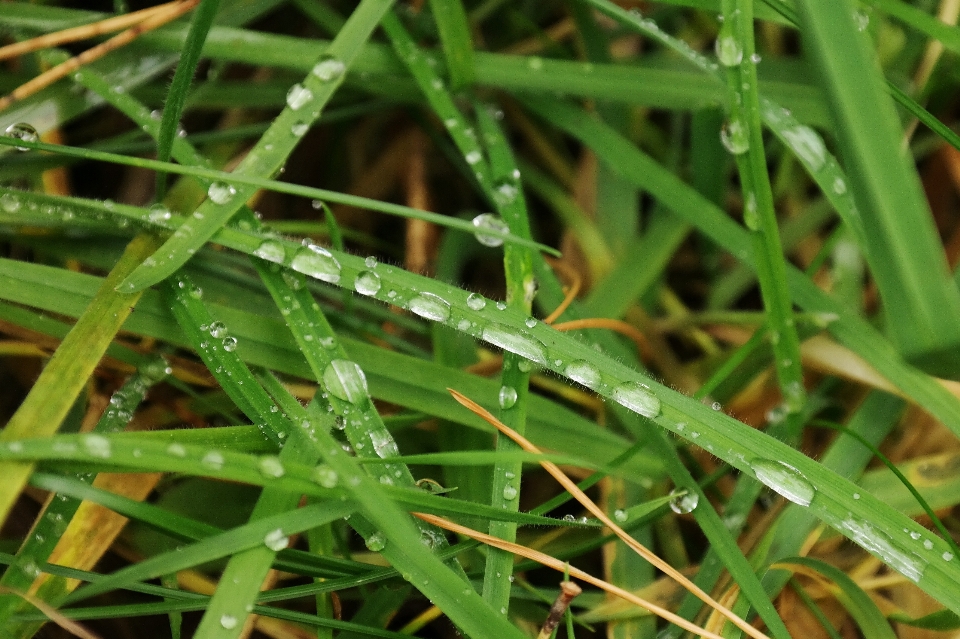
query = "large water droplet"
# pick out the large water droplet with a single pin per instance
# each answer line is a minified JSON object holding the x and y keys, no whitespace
{"x":808,"y":146}
{"x":229,"y":622}
{"x":325,"y":476}
{"x":97,"y":446}
{"x":583,"y":373}
{"x":430,"y":306}
{"x":785,"y":480}
{"x":229,"y":344}
{"x":329,"y":68}
{"x":217,"y":329}
{"x":729,"y":51}
{"x":9,"y":202}
{"x":271,"y":251}
{"x":476,"y":302}
{"x":638,"y":398}
{"x":509,"y":492}
{"x":221,"y":192}
{"x":297,"y":96}
{"x":735,"y":137}
{"x":512,"y":340}
{"x":159,"y":213}
{"x":367,"y":283}
{"x":489,"y":222}
{"x":508,"y":397}
{"x":383,"y":444}
{"x":683,"y":501}
{"x":376,"y":542}
{"x":271,"y":466}
{"x":345,"y":379}
{"x":314,"y":261}
{"x":22,"y":131}
{"x":879,"y":543}
{"x":275,"y":540}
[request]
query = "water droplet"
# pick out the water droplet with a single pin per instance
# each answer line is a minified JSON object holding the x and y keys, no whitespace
{"x":177,"y":450}
{"x":928,"y":544}
{"x":476,"y":302}
{"x":159,"y":213}
{"x":345,"y":379}
{"x":638,"y":398}
{"x":383,"y":444}
{"x":569,"y":518}
{"x":22,"y":131}
{"x":535,"y":63}
{"x":620,"y":515}
{"x":505,"y":192}
{"x":218,"y":329}
{"x":508,"y":397}
{"x":839,"y":186}
{"x":229,"y":622}
{"x":221,"y":192}
{"x":683,"y":501}
{"x":947,"y":556}
{"x":525,"y":366}
{"x":9,"y":202}
{"x":299,"y":129}
{"x":530,"y":322}
{"x":510,"y":339}
{"x":370,"y":261}
{"x":785,"y":480}
{"x":271,"y":466}
{"x":856,"y":495}
{"x":271,"y":251}
{"x":735,"y":137}
{"x":376,"y":542}
{"x":430,"y":306}
{"x":229,"y":344}
{"x":367,"y":283}
{"x":716,"y":406}
{"x":297,"y":96}
{"x":808,"y":146}
{"x":325,"y":476}
{"x":275,"y":540}
{"x":729,"y":51}
{"x":314,"y":261}
{"x":861,"y":19}
{"x":489,"y":222}
{"x":583,"y":373}
{"x":473,"y":157}
{"x":879,"y":543}
{"x":97,"y":446}
{"x":329,"y":68}
{"x":755,"y":58}
{"x":213,"y":460}
{"x":509,"y":492}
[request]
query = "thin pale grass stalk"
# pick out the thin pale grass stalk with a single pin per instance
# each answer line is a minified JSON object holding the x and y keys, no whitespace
{"x":53,"y":614}
{"x":564,"y":567}
{"x":85,"y":32}
{"x":573,"y":289}
{"x":597,"y":512}
{"x":50,"y":76}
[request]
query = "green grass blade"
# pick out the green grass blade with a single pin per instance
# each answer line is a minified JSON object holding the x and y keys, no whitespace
{"x":451,"y":20}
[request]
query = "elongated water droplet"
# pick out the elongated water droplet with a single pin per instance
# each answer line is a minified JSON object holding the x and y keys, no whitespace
{"x":508,"y":397}
{"x":345,"y":379}
{"x":583,"y":373}
{"x":808,"y":146}
{"x":476,"y":302}
{"x":735,"y":137}
{"x":314,"y":261}
{"x":729,"y":51}
{"x":367,"y":283}
{"x":299,"y":129}
{"x":271,"y":251}
{"x":521,"y":344}
{"x":683,"y":501}
{"x":325,"y":476}
{"x":383,"y":444}
{"x":271,"y":466}
{"x":489,"y":222}
{"x":376,"y":542}
{"x":638,"y":398}
{"x":329,"y":68}
{"x":221,"y":192}
{"x":297,"y":96}
{"x":97,"y":446}
{"x":430,"y":306}
{"x":275,"y":540}
{"x":909,"y":564}
{"x":177,"y":450}
{"x":22,"y":131}
{"x":213,"y":460}
{"x":785,"y":480}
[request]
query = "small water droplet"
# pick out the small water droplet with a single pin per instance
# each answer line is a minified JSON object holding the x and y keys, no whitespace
{"x":275,"y":540}
{"x":683,"y":501}
{"x":213,"y":460}
{"x":229,"y":344}
{"x":716,"y":406}
{"x":229,"y":622}
{"x":473,"y":157}
{"x":218,"y":329}
{"x":325,"y":476}
{"x":535,"y":63}
{"x":505,"y":192}
{"x":177,"y":450}
{"x":383,"y":444}
{"x":299,"y":129}
{"x":785,"y":480}
{"x":329,"y":68}
{"x":297,"y":96}
{"x":345,"y":379}
{"x":729,"y":51}
{"x":9,"y":202}
{"x":530,"y":322}
{"x":584,"y":373}
{"x":22,"y":131}
{"x":508,"y":397}
{"x":476,"y":302}
{"x":947,"y":556}
{"x":430,"y":306}
{"x":928,"y":544}
{"x":376,"y":542}
{"x":489,"y":222}
{"x":807,"y":145}
{"x":159,"y":213}
{"x":638,"y":398}
{"x":367,"y":283}
{"x":221,"y":192}
{"x":314,"y":261}
{"x":509,"y":492}
{"x":271,"y":466}
{"x":271,"y":251}
{"x":620,"y":515}
{"x":370,"y":261}
{"x":735,"y":137}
